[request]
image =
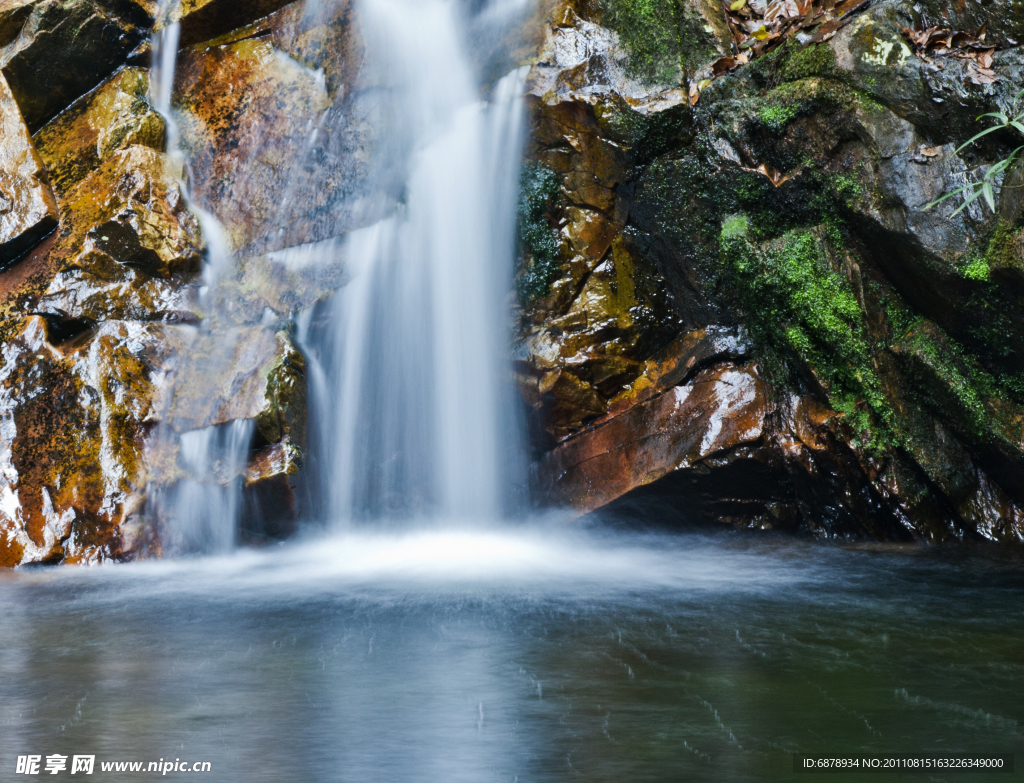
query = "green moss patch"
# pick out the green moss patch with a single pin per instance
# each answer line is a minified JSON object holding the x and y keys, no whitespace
{"x":539,"y":186}
{"x":799,"y":307}
{"x":650,"y":31}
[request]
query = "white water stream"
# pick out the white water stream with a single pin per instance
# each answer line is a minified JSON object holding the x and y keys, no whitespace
{"x":199,"y":513}
{"x":411,"y":396}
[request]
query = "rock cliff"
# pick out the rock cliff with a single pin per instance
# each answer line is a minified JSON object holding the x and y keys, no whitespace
{"x":735,"y":304}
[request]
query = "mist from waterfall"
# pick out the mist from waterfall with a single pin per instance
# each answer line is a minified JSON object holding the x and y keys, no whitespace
{"x":410,"y":394}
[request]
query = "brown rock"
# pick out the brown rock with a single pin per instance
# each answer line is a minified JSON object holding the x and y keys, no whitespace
{"x":63,"y":49}
{"x":276,"y":130}
{"x":677,"y":362}
{"x":246,"y":373}
{"x":720,"y":410}
{"x":27,"y":208}
{"x":115,"y":116}
{"x":569,"y":402}
{"x":75,"y":419}
{"x":82,"y":442}
{"x":269,"y":509}
{"x":246,"y":110}
{"x":129,"y":249}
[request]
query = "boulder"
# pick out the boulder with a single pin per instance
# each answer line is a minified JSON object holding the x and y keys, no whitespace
{"x":274,"y":142}
{"x":787,"y":209}
{"x":245,"y":373}
{"x":128,"y":247}
{"x":27,"y":208}
{"x":62,"y":50}
{"x":114,"y":116}
{"x":715,"y":415}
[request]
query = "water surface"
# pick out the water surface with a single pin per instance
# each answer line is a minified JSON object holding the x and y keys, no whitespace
{"x":523,"y":655}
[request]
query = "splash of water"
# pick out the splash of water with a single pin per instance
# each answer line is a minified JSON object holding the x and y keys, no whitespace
{"x":410,"y":391}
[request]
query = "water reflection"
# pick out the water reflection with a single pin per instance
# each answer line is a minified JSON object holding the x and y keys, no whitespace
{"x":519,"y":655}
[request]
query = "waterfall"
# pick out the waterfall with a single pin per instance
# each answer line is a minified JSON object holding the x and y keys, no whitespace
{"x":411,"y":395}
{"x":199,"y":512}
{"x":411,"y":406}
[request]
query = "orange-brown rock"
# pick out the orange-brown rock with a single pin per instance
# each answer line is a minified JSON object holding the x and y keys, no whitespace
{"x":80,"y":421}
{"x":27,"y":208}
{"x":273,"y":152}
{"x":74,"y":420}
{"x":721,"y":410}
{"x":129,"y":248}
{"x":114,"y":116}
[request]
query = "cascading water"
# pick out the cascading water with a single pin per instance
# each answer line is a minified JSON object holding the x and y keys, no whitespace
{"x":410,"y":393}
{"x":411,"y":409}
{"x":199,"y":512}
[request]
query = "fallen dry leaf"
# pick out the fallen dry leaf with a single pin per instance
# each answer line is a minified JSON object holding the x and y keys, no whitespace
{"x":937,"y":42}
{"x":759,"y":26}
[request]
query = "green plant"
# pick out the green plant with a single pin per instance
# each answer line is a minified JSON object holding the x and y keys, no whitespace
{"x":987,"y":186}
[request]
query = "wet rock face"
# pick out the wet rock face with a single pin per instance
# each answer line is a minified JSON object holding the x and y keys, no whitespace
{"x":55,"y":51}
{"x":115,"y":116}
{"x":273,"y":128}
{"x":782,"y":215}
{"x":717,"y":417}
{"x":98,"y":320}
{"x":74,"y":421}
{"x":27,"y":209}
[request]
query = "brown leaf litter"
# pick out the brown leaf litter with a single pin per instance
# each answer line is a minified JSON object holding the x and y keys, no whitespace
{"x":938,"y":42}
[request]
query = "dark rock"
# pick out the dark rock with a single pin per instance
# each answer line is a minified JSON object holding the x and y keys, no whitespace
{"x":61,"y":51}
{"x":791,"y":201}
{"x":204,"y":20}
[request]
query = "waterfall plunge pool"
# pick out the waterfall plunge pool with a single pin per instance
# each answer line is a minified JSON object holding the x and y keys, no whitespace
{"x":516,"y":655}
